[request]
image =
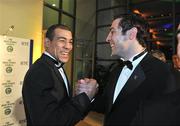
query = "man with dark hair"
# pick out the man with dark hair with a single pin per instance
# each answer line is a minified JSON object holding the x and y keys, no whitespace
{"x":47,"y":94}
{"x":137,"y":87}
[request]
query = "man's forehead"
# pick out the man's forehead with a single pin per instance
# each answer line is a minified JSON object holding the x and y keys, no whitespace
{"x":63,"y":32}
{"x":115,"y":23}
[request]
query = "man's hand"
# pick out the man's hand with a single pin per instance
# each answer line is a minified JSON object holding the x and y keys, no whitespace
{"x":88,"y":86}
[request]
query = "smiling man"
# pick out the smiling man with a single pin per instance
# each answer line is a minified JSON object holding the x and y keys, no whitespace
{"x":137,"y":87}
{"x":47,"y":95}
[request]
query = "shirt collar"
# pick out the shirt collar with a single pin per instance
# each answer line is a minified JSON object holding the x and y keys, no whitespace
{"x":131,"y":59}
{"x":48,"y":54}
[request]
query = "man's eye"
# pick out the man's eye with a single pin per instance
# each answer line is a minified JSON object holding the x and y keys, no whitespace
{"x":61,"y":40}
{"x":112,"y":31}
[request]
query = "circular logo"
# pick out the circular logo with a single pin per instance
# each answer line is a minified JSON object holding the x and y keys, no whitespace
{"x":7,"y":111}
{"x":9,"y":69}
{"x":9,"y":48}
{"x":8,"y":90}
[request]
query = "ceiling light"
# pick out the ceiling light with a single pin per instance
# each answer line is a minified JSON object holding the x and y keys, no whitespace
{"x":158,"y":42}
{"x":136,"y":11}
{"x":151,"y":30}
{"x":53,"y":5}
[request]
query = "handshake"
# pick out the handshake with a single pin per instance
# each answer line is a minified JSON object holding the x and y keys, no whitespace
{"x":88,"y":86}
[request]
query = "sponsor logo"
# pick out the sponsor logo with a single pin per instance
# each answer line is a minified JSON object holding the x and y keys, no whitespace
{"x":7,"y":111}
{"x":8,"y":69}
{"x":8,"y":90}
{"x":9,"y":48}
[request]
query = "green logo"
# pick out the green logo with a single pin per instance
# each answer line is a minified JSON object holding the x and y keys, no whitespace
{"x":8,"y":90}
{"x":9,"y":48}
{"x":7,"y":111}
{"x":9,"y":69}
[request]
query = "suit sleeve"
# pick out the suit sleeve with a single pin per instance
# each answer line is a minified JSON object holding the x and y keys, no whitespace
{"x":43,"y":108}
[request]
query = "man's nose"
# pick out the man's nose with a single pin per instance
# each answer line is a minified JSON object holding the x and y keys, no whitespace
{"x":68,"y":45}
{"x":108,"y":38}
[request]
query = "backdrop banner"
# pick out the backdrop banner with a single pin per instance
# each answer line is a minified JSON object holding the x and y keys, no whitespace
{"x":15,"y":59}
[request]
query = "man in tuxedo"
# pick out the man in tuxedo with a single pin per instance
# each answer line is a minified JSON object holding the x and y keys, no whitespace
{"x":47,"y":94}
{"x":136,"y":90}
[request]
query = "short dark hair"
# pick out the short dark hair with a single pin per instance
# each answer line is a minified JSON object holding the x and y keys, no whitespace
{"x":51,"y":29}
{"x":129,"y":21}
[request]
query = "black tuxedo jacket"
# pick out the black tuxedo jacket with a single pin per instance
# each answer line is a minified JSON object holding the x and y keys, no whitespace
{"x":45,"y":97}
{"x":151,"y":80}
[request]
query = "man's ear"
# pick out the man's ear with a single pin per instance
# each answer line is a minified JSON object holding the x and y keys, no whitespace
{"x":46,"y":43}
{"x":132,"y":33}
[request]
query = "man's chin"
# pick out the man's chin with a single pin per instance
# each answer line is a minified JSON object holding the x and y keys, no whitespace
{"x":113,"y":54}
{"x":64,"y":60}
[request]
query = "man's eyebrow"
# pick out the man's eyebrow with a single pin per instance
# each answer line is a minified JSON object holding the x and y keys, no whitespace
{"x":111,"y":28}
{"x":60,"y":37}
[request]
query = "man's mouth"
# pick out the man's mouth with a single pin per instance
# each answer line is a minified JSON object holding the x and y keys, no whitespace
{"x":64,"y":53}
{"x":112,"y":45}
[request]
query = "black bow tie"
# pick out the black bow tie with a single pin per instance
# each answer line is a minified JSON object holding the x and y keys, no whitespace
{"x":58,"y":64}
{"x":126,"y":63}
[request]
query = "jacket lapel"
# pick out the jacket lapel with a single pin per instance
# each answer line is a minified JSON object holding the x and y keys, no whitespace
{"x":69,"y":86}
{"x":135,"y":80}
{"x":57,"y":73}
{"x":112,"y":84}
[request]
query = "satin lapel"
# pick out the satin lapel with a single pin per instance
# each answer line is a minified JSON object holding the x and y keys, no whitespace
{"x":135,"y":80}
{"x":69,"y":86}
{"x":111,"y":85}
{"x":62,"y":81}
{"x":56,"y":71}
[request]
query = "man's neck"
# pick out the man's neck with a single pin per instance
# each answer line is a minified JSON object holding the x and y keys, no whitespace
{"x":134,"y":52}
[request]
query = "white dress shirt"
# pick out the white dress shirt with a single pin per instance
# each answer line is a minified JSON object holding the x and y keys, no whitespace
{"x":61,"y":71}
{"x":125,"y":74}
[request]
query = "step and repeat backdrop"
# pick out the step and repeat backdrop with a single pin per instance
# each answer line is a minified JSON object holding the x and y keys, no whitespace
{"x":15,"y":59}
